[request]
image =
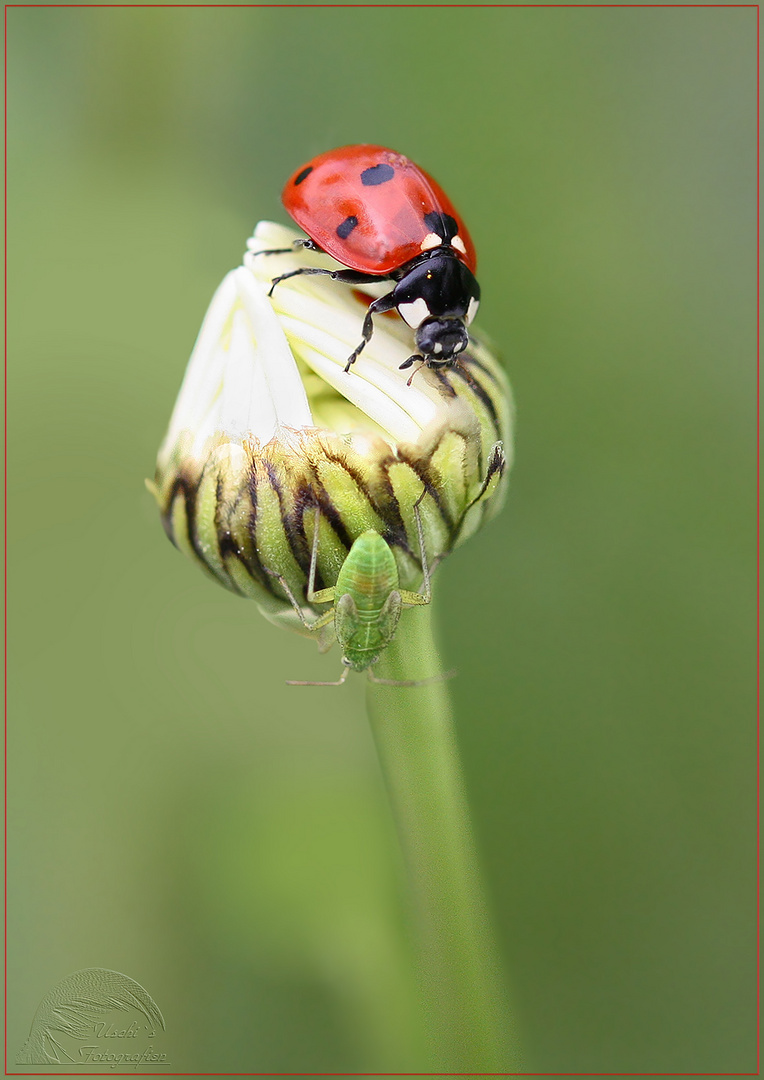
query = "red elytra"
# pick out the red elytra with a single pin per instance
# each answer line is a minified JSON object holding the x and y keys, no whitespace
{"x":367,"y":207}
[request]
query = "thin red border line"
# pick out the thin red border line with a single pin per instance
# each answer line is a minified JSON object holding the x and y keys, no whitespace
{"x":758,"y":551}
{"x":5,"y":536}
{"x":5,"y":523}
{"x":440,"y":7}
{"x":360,"y":5}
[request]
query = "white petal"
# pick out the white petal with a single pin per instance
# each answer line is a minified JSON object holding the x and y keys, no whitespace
{"x":370,"y":399}
{"x":204,"y":371}
{"x":302,"y":316}
{"x":273,"y":353}
{"x":246,"y":405}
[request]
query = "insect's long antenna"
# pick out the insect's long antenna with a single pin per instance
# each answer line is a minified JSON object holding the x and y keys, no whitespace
{"x":420,"y":535}
{"x":338,"y":682}
{"x":314,"y":553}
{"x":413,"y":373}
{"x":412,"y":682}
{"x":292,"y":598}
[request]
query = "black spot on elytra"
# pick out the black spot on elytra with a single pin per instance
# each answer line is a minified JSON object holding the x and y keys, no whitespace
{"x":442,"y":224}
{"x":377,"y":174}
{"x":345,"y":228}
{"x":301,"y":175}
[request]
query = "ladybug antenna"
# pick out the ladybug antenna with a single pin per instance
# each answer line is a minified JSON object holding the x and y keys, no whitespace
{"x":413,"y":373}
{"x":407,"y":364}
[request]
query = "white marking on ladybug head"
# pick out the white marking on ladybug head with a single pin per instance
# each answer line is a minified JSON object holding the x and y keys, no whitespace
{"x":458,"y":243}
{"x":414,"y":313}
{"x":472,"y":310}
{"x":432,"y":240}
{"x":437,"y":347}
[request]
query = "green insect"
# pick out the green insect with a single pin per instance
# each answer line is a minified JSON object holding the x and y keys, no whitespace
{"x":367,"y":602}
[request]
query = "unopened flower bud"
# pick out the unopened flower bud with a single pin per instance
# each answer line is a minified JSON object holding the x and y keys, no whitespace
{"x":269,"y":427}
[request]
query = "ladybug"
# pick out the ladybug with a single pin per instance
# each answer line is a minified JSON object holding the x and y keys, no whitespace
{"x":380,"y":215}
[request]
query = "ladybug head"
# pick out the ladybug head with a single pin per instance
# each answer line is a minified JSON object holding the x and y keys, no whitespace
{"x":440,"y":339}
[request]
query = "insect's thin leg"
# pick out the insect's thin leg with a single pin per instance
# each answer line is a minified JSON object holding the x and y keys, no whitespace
{"x":308,"y":244}
{"x":411,"y":682}
{"x":302,"y":682}
{"x":377,"y":307}
{"x":274,"y":251}
{"x":424,"y":597}
{"x":295,"y":273}
{"x":358,"y":277}
{"x":323,"y":596}
{"x":323,"y":620}
{"x":347,"y":277}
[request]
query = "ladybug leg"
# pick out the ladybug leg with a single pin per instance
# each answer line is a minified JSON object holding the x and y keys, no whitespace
{"x":294,"y":273}
{"x":308,"y":244}
{"x":348,"y":277}
{"x":274,"y":251}
{"x":376,"y":307}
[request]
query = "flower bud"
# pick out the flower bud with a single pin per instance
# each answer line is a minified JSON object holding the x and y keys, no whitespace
{"x":268,"y":427}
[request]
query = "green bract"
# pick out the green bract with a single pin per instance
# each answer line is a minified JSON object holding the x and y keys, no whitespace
{"x":268,"y":427}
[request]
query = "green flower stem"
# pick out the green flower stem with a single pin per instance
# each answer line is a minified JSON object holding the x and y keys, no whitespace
{"x":413,"y":731}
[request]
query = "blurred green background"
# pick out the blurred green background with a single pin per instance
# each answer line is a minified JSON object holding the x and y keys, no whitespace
{"x":179,"y":814}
